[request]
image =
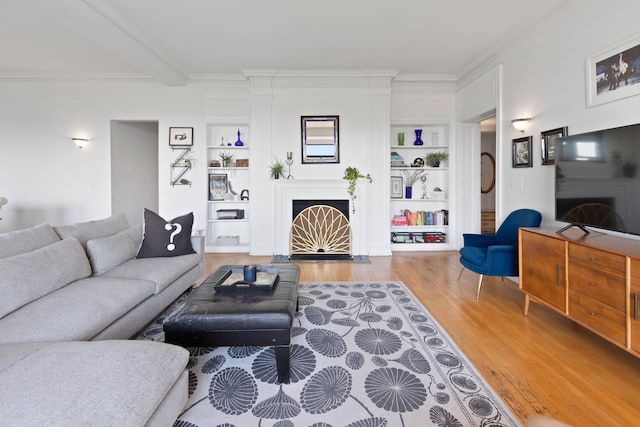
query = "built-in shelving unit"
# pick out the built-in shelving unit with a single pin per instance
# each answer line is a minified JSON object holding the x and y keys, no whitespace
{"x":226,"y":233}
{"x":420,"y":220}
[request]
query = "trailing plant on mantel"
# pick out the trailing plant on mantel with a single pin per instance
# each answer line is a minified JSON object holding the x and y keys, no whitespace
{"x":352,"y":175}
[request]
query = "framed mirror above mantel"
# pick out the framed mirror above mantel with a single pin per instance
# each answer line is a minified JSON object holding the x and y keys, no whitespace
{"x":320,"y":139}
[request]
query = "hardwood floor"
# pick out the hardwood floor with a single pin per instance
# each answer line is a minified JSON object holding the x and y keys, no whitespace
{"x":541,"y":363}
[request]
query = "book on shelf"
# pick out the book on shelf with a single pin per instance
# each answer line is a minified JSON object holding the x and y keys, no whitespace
{"x":421,"y":218}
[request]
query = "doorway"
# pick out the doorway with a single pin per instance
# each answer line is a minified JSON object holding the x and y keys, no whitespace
{"x":488,"y":175}
{"x":134,"y":168}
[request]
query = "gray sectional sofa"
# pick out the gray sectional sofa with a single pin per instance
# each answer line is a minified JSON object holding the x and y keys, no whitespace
{"x":70,"y":298}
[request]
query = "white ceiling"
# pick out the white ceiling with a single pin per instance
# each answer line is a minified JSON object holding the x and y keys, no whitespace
{"x":175,"y":41}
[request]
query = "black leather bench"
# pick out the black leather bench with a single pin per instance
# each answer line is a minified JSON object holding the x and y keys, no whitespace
{"x":240,"y":318}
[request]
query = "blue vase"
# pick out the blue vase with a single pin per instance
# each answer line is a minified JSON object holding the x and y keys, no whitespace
{"x":408,"y":192}
{"x":418,"y":140}
{"x":239,"y":143}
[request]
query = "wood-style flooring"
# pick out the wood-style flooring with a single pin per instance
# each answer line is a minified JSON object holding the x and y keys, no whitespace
{"x":541,"y":363}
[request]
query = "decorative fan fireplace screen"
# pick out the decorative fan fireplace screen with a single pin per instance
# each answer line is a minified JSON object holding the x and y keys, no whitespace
{"x":320,"y":232}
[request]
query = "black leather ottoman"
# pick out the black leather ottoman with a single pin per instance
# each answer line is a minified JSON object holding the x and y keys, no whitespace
{"x":243,"y":318}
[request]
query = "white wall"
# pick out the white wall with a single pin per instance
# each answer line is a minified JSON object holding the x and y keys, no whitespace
{"x":544,"y":78}
{"x":48,"y":179}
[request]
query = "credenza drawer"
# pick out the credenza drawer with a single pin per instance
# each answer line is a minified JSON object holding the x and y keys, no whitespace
{"x":603,"y":287}
{"x":599,"y":316}
{"x":611,"y":263}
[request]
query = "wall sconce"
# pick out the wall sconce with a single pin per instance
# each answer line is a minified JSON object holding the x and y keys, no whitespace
{"x":520,"y":124}
{"x":80,"y":142}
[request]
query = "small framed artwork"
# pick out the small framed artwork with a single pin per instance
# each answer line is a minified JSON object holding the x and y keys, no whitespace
{"x":548,"y":139}
{"x":522,"y":152}
{"x":217,"y":186}
{"x":181,"y":137}
{"x":396,"y":187}
{"x":611,"y":73}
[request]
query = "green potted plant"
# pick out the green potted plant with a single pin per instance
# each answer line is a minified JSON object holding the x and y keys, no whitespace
{"x":434,"y":159}
{"x":276,"y":169}
{"x":189,"y":159}
{"x":352,"y":174}
{"x":226,"y":159}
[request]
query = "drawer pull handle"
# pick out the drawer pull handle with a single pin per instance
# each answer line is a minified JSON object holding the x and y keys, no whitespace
{"x":559,"y":275}
{"x":635,"y":306}
{"x":591,"y":284}
{"x":593,"y":313}
{"x":593,"y":259}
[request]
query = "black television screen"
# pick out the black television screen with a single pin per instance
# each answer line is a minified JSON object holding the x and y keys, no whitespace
{"x":597,"y":180}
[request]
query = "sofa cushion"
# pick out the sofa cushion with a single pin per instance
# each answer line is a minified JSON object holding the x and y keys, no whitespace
{"x":27,"y":240}
{"x":163,"y":238}
{"x":78,"y":311}
{"x":161,"y":271}
{"x":111,"y":251}
{"x":104,"y":383}
{"x":85,"y":231}
{"x":28,"y":276}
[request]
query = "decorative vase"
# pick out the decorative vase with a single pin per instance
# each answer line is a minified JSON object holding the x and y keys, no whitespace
{"x":407,"y":192}
{"x":436,"y":163}
{"x":239,"y":143}
{"x":400,"y":138}
{"x":418,"y":140}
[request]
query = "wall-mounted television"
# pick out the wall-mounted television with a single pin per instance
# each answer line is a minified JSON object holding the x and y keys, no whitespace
{"x":597,"y":180}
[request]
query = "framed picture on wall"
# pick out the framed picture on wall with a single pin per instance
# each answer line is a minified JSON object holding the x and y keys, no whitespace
{"x":611,"y":73}
{"x":548,"y":139}
{"x":396,"y":187}
{"x":217,"y":186}
{"x":522,"y":152}
{"x":181,"y":137}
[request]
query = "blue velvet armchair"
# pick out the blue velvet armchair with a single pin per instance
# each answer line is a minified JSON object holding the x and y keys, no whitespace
{"x":497,"y":254}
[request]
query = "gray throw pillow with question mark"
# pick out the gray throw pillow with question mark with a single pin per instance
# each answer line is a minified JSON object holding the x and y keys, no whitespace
{"x":162,"y":238}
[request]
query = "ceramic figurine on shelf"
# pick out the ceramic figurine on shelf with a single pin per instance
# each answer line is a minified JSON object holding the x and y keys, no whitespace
{"x":239,"y":142}
{"x":400,"y":138}
{"x":222,"y":143}
{"x":423,"y":178}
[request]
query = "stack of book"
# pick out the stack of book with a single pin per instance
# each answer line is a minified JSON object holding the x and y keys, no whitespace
{"x":420,"y":218}
{"x":397,"y":160}
{"x":399,"y":220}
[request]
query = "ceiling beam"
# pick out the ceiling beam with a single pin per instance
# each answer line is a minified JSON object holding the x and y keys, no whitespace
{"x":96,"y":21}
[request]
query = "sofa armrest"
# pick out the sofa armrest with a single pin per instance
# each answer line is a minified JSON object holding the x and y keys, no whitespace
{"x":198,"y":245}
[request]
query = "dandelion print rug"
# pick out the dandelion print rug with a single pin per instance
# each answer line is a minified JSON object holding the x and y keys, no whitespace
{"x":363,"y":354}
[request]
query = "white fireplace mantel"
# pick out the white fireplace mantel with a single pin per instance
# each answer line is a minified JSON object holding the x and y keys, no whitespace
{"x":288,"y":190}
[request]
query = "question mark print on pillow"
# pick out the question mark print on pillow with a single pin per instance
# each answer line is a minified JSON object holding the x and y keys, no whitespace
{"x":171,"y":246}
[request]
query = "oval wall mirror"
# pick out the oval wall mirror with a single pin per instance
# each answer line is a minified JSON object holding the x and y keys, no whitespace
{"x":487,"y":172}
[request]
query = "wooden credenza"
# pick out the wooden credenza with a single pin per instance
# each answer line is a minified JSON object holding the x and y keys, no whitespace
{"x":594,"y":279}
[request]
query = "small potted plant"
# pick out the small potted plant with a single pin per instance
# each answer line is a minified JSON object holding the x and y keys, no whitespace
{"x":189,"y":159}
{"x":434,"y":159}
{"x":352,"y":174}
{"x":276,"y":169}
{"x":226,"y":159}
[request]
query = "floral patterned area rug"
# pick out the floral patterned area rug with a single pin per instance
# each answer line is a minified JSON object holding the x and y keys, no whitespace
{"x":363,"y":354}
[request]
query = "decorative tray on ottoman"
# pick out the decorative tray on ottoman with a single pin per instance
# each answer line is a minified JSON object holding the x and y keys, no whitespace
{"x":233,"y":281}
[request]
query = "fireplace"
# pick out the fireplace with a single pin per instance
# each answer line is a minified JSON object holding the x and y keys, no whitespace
{"x":315,"y":191}
{"x":320,"y":229}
